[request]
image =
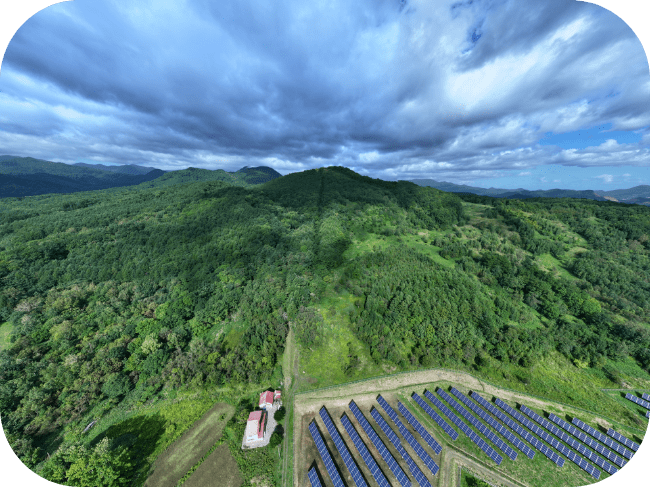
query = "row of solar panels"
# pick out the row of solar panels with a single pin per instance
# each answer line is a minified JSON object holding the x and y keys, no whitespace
{"x":637,"y":400}
{"x":370,"y":462}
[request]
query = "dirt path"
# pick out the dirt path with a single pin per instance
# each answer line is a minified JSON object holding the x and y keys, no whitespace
{"x":290,"y":370}
{"x":454,"y":459}
{"x":311,"y":401}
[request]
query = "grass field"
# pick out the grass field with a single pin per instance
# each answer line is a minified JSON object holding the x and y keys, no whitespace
{"x":184,"y":453}
{"x":5,"y":331}
{"x":218,"y":469}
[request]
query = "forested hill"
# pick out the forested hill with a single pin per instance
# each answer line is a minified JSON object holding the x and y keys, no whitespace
{"x":26,"y":176}
{"x":114,"y":298}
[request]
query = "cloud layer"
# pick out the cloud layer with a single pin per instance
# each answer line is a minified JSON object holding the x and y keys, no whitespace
{"x":450,"y":90}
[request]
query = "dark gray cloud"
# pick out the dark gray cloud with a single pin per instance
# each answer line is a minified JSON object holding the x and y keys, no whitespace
{"x":392,"y":88}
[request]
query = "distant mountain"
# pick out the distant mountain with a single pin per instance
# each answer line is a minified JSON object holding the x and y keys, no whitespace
{"x":638,"y":194}
{"x":123,"y":168}
{"x":244,"y":177}
{"x":26,"y":176}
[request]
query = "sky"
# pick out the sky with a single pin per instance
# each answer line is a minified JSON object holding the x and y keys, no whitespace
{"x":491,"y":93}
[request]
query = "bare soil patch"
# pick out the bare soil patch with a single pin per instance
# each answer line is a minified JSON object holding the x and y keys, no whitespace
{"x":219,"y":469}
{"x":185,"y":452}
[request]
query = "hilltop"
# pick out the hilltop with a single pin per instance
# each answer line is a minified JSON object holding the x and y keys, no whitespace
{"x":117,"y":303}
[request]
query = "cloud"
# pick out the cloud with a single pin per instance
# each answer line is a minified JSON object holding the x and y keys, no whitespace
{"x":394,"y":89}
{"x":607,"y":178}
{"x":525,"y":173}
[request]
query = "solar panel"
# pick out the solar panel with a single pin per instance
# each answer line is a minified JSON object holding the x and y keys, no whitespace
{"x":435,"y":416}
{"x":330,"y":466}
{"x":610,"y":469}
{"x":622,"y":439}
{"x":313,"y":477}
{"x":570,"y":454}
{"x":636,"y":400}
{"x":376,"y":472}
{"x":496,"y":441}
{"x":603,"y":439}
{"x":480,"y":442}
{"x":647,"y":415}
{"x":544,"y":449}
{"x":342,"y":449}
{"x":523,"y":447}
{"x":406,"y":434}
{"x":645,"y":396}
{"x":379,"y":444}
{"x":424,"y":434}
{"x":394,"y":439}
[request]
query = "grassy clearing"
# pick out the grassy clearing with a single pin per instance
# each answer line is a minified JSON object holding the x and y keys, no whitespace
{"x":5,"y":331}
{"x":185,"y":452}
{"x":219,"y":467}
{"x":550,"y":263}
{"x":338,"y":351}
{"x":469,"y":480}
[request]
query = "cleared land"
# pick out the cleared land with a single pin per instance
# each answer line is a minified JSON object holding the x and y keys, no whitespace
{"x":462,"y":452}
{"x":219,"y":468}
{"x":5,"y":331}
{"x":185,"y":452}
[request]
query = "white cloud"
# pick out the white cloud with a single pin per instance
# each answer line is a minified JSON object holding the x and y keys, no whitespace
{"x":525,"y":173}
{"x":607,"y":178}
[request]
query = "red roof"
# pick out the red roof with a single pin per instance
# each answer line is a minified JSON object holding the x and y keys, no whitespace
{"x":255,"y":416}
{"x":260,"y":431}
{"x":266,"y":397}
{"x":276,"y":394}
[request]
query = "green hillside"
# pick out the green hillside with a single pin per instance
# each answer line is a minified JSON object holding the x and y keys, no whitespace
{"x":117,"y":302}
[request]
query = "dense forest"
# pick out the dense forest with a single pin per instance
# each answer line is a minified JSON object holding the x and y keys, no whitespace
{"x":115,"y":297}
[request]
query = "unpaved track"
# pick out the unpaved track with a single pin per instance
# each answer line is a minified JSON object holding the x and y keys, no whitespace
{"x":290,"y":367}
{"x":368,"y":390}
{"x":454,"y":458}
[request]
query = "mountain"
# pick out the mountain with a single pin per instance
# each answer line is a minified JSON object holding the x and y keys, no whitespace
{"x":632,"y":195}
{"x":123,"y":168}
{"x":26,"y":176}
{"x":141,"y":307}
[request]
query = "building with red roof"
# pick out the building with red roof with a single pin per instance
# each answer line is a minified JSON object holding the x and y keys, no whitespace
{"x":266,"y":399}
{"x":255,"y":426}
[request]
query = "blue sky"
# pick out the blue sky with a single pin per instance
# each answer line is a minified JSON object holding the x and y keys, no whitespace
{"x":502,"y":93}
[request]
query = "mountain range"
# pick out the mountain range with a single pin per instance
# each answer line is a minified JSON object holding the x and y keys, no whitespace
{"x":638,"y":194}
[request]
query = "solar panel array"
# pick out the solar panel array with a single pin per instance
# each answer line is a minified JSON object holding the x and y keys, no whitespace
{"x":365,"y":454}
{"x":394,"y":439}
{"x":571,"y":455}
{"x":435,"y":416}
{"x":424,"y":434}
{"x":603,"y":439}
{"x":569,"y":440}
{"x":424,"y":456}
{"x":313,"y":477}
{"x":548,"y":452}
{"x":645,"y":396}
{"x":647,"y":415}
{"x":541,"y":446}
{"x":480,"y":442}
{"x":379,"y":444}
{"x":325,"y":455}
{"x":525,"y":449}
{"x":637,"y":400}
{"x":496,"y":441}
{"x":622,"y":439}
{"x":588,"y":440}
{"x":342,"y":449}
